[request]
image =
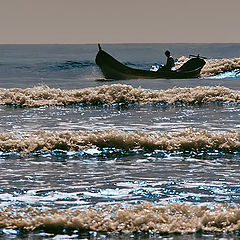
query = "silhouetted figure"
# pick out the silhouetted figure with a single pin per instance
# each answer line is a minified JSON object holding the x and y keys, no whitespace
{"x":170,"y":62}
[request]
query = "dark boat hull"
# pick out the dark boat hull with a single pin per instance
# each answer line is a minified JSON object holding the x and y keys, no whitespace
{"x":113,"y":69}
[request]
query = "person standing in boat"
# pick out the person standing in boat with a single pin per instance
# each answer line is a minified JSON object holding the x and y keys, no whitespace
{"x":170,"y":62}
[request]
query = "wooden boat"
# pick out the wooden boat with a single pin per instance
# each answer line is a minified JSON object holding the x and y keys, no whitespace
{"x":113,"y":69}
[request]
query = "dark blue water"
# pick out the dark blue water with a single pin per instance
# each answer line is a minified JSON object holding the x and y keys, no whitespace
{"x":73,"y":66}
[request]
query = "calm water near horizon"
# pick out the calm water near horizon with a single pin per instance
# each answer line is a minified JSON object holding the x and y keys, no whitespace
{"x":64,"y":179}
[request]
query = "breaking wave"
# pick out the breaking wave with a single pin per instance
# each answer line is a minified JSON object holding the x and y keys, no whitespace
{"x":187,"y":140}
{"x":215,"y":66}
{"x":172,"y":218}
{"x":112,"y":94}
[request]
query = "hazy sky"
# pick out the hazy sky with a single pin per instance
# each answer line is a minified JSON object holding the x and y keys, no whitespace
{"x":119,"y":21}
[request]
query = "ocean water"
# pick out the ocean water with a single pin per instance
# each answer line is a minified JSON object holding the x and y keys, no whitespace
{"x":84,"y":158}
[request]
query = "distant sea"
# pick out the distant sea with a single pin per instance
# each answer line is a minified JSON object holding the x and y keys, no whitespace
{"x":129,"y":159}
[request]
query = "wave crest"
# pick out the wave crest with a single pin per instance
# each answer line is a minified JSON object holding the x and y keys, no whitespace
{"x":215,"y":66}
{"x":187,"y":140}
{"x":172,"y":218}
{"x":117,"y":93}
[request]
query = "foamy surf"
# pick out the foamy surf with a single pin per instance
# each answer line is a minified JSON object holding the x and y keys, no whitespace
{"x":215,"y":67}
{"x":114,"y":94}
{"x":187,"y":140}
{"x":147,"y":217}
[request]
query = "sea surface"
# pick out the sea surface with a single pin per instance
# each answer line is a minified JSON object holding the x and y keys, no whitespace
{"x":86,"y":158}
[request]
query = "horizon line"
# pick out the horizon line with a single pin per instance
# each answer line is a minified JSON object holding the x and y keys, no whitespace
{"x":118,"y":43}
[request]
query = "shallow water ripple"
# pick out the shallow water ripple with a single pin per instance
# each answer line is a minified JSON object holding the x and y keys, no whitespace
{"x":70,"y":183}
{"x":215,"y":117}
